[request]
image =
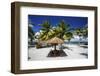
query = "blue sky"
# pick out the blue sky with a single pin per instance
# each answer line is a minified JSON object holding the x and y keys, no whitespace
{"x":74,"y":22}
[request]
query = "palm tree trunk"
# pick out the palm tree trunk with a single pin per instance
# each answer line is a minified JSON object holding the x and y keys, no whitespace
{"x":68,"y":41}
{"x":61,"y":47}
{"x":79,"y":40}
{"x":31,"y":40}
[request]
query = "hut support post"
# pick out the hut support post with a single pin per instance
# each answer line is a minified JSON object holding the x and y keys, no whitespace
{"x":55,"y":47}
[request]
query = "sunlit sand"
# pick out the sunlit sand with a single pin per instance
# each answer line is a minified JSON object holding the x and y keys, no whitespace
{"x":73,"y":52}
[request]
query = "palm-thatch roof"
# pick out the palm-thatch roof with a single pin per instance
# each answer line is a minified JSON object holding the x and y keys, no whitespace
{"x":55,"y":40}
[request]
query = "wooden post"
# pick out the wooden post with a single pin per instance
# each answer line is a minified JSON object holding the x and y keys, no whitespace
{"x":54,"y":46}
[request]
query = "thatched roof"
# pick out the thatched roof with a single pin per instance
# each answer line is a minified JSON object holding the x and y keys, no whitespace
{"x":55,"y":40}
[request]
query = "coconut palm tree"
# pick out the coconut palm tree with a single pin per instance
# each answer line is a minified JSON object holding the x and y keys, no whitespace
{"x":63,"y":29}
{"x":46,"y":31}
{"x":85,"y":32}
{"x":79,"y":32}
{"x":56,"y":32}
{"x":30,"y":31}
{"x":68,"y":36}
{"x":63,"y":32}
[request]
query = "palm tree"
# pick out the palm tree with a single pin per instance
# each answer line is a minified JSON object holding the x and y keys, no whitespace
{"x":68,"y":36}
{"x":85,"y":32}
{"x":46,"y":31}
{"x":56,"y":32}
{"x":79,"y":32}
{"x":30,"y":31}
{"x":63,"y":29}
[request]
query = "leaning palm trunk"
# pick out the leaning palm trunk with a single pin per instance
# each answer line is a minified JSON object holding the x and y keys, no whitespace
{"x":80,"y":40}
{"x":68,"y":41}
{"x":61,"y":47}
{"x":31,"y":40}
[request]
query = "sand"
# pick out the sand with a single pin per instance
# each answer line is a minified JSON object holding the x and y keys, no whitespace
{"x":74,"y":52}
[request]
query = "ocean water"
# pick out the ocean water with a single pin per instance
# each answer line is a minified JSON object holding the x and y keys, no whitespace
{"x":76,"y":42}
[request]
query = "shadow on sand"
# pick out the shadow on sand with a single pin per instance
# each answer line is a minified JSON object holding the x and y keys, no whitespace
{"x":57,"y":53}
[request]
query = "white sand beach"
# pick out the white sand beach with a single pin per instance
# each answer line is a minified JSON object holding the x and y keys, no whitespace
{"x":74,"y":52}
